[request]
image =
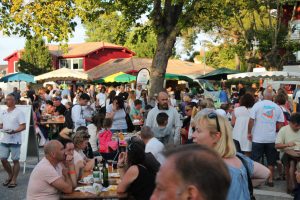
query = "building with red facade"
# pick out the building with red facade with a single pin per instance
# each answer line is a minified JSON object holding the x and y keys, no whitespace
{"x":83,"y":56}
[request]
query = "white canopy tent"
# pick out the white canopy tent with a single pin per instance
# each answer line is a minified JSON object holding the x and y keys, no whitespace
{"x":277,"y":75}
{"x":62,"y":74}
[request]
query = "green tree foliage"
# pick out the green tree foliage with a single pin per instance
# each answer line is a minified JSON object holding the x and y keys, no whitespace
{"x":36,"y":58}
{"x":108,"y":27}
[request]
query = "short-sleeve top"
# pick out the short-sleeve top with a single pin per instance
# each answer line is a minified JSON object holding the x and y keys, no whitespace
{"x":39,"y":186}
{"x":239,"y":181}
{"x":119,"y":121}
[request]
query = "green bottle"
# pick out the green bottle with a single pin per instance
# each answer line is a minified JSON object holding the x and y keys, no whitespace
{"x":105,"y":175}
{"x":96,"y":172}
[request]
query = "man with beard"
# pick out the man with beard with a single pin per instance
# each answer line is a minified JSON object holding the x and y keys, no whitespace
{"x":174,"y":119}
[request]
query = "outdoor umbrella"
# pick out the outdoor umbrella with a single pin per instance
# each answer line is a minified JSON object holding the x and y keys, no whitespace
{"x":169,"y":76}
{"x":63,"y":74}
{"x":218,"y":74}
{"x":18,"y":77}
{"x":119,"y":77}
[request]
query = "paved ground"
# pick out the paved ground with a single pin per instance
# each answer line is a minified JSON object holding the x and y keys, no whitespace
{"x":19,"y":193}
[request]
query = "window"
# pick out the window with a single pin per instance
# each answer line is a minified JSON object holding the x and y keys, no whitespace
{"x":76,"y":63}
{"x":16,"y":66}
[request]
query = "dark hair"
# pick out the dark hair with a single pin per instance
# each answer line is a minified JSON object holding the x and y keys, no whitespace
{"x":225,"y":106}
{"x":295,"y":118}
{"x":111,"y":96}
{"x":146,"y":132}
{"x":103,"y":89}
{"x":49,"y":102}
{"x":280,"y":99}
{"x":107,"y":123}
{"x":120,"y":101}
{"x":137,"y":102}
{"x":35,"y":105}
{"x":64,"y":141}
{"x":202,"y":167}
{"x":85,"y":96}
{"x":144,"y":94}
{"x":162,"y":118}
{"x":82,"y":128}
{"x":247,"y":100}
{"x":98,"y":120}
{"x":135,"y":153}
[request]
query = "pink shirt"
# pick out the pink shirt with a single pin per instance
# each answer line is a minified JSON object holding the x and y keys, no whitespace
{"x":39,"y":186}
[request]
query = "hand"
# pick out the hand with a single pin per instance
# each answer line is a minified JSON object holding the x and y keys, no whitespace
{"x":69,"y":160}
{"x":183,"y":131}
{"x":122,"y":157}
{"x":65,"y":172}
{"x":249,"y":136}
{"x":291,"y":144}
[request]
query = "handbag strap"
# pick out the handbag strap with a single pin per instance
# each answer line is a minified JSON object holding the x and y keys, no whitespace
{"x":250,"y":186}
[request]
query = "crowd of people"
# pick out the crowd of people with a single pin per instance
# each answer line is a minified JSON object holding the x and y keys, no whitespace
{"x":237,"y":145}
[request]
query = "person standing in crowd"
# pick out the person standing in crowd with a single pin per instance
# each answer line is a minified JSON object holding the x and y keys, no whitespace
{"x":60,"y":109}
{"x":174,"y":119}
{"x":17,"y":94}
{"x":131,"y":98}
{"x":30,"y":93}
{"x":12,"y":121}
{"x":286,"y":139}
{"x":50,"y":177}
{"x":66,"y":92}
{"x":242,"y":90}
{"x":136,"y":178}
{"x":110,"y":97}
{"x":223,"y":96}
{"x":136,"y":112}
{"x":240,"y":121}
{"x":144,"y":98}
{"x":186,"y":99}
{"x":101,"y":98}
{"x":116,"y":111}
{"x":265,"y":116}
{"x":123,"y":93}
{"x":138,"y":91}
{"x":189,"y":173}
{"x":153,"y":145}
{"x":78,"y":112}
{"x":2,"y":96}
{"x":185,"y":129}
{"x":215,"y":132}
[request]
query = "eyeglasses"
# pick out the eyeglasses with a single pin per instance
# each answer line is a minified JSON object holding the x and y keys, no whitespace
{"x":214,"y":116}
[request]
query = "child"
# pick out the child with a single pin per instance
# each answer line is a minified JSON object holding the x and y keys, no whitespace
{"x":105,"y":142}
{"x":162,"y":132}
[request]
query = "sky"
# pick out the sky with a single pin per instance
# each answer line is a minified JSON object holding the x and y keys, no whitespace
{"x":8,"y":45}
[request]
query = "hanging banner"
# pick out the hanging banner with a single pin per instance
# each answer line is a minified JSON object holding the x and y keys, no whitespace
{"x":143,"y":77}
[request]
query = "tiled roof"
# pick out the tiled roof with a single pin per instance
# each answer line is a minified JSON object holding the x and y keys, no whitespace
{"x":127,"y":64}
{"x":81,"y":49}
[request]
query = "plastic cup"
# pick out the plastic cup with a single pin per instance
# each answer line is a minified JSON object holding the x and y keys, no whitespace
{"x":110,"y":166}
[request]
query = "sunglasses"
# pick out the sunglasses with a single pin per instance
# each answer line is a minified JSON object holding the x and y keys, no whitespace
{"x":214,"y":116}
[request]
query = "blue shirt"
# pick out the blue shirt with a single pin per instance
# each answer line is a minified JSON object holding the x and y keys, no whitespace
{"x":239,"y":181}
{"x":223,"y":96}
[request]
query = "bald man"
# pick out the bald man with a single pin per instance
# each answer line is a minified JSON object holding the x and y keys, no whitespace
{"x":174,"y":118}
{"x":49,"y":177}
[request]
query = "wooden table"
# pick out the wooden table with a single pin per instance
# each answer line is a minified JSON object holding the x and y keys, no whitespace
{"x":54,"y":124}
{"x":102,"y":195}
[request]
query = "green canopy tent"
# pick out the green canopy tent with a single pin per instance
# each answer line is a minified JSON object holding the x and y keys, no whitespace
{"x":119,"y":77}
{"x":169,"y":76}
{"x":218,"y":74}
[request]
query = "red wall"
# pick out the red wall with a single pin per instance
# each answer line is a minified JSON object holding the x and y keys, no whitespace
{"x":10,"y":68}
{"x":103,"y":55}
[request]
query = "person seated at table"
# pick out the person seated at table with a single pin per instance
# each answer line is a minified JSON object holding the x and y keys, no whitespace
{"x":286,"y":139}
{"x":137,"y":180}
{"x":49,"y":177}
{"x":49,"y":108}
{"x":94,"y":129}
{"x":82,"y":163}
{"x":163,"y":133}
{"x":60,"y":109}
{"x":136,"y":111}
{"x":153,"y":145}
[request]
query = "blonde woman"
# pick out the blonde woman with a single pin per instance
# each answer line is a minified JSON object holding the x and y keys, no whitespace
{"x":82,"y":163}
{"x":215,"y":131}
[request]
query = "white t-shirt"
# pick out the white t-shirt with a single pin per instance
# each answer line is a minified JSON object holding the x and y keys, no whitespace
{"x":92,"y":129}
{"x":101,"y":97}
{"x":64,"y":101}
{"x":78,"y":117}
{"x":155,"y":147}
{"x":286,"y":135}
{"x":265,"y":114}
{"x":39,"y":185}
{"x":297,"y":96}
{"x":12,"y":120}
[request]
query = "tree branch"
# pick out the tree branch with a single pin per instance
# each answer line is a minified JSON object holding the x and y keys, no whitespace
{"x":157,"y":14}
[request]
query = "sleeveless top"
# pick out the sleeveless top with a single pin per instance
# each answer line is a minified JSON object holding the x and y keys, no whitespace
{"x":143,"y":186}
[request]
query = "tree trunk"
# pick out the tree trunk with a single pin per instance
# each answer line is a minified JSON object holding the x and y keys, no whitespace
{"x":159,"y":65}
